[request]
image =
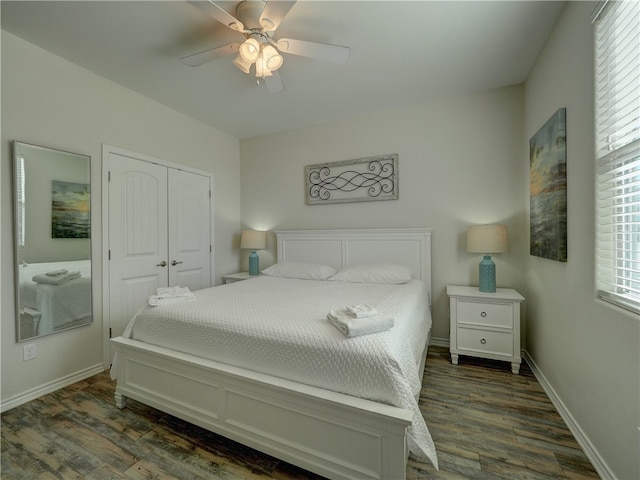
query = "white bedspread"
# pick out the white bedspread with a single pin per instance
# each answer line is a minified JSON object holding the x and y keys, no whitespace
{"x":59,"y":305}
{"x":279,"y":326}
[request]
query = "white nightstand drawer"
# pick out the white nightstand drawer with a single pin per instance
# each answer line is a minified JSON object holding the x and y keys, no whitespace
{"x":497,"y":343}
{"x":488,"y":314}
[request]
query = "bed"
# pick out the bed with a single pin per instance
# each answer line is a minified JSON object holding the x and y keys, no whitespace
{"x":56,"y":307}
{"x":342,"y":407}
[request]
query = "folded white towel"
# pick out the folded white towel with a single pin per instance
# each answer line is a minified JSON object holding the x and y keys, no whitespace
{"x":352,"y":327}
{"x":170,"y":295}
{"x":56,"y":273}
{"x":361,"y":310}
{"x":56,"y":280}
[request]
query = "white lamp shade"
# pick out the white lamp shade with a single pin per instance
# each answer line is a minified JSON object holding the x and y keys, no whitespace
{"x":253,"y":240}
{"x":250,"y":49}
{"x":487,"y":239}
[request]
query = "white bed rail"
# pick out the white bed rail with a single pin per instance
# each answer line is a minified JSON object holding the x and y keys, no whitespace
{"x":335,"y":435}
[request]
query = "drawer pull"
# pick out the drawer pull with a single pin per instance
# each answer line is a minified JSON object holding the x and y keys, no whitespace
{"x":483,"y":341}
{"x":483,"y":314}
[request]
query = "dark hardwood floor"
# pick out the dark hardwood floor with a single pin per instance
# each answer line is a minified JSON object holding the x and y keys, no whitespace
{"x":486,"y":423}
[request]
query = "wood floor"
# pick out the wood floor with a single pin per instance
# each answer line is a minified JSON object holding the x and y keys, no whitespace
{"x":486,"y":423}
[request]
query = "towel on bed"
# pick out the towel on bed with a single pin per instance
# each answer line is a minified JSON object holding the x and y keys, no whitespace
{"x":57,"y":273}
{"x":170,"y":295}
{"x":361,"y":310}
{"x":352,"y":327}
{"x":56,"y":279}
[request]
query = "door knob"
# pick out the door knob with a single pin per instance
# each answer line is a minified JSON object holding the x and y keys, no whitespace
{"x":162,"y":264}
{"x":174,"y":263}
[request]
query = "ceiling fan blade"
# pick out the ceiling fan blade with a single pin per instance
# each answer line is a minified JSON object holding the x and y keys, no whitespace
{"x":211,"y":8}
{"x":203,"y":57}
{"x":274,"y":12}
{"x":319,"y":51}
{"x":274,"y":83}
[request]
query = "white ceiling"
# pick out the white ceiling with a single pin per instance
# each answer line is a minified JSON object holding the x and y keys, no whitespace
{"x":402,"y":53}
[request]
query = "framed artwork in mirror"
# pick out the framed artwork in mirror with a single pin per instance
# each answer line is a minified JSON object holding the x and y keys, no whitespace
{"x":70,"y":210}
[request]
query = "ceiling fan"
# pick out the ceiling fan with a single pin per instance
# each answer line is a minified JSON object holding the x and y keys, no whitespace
{"x":257,"y":20}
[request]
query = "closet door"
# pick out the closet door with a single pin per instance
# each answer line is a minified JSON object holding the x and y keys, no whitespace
{"x":138,"y":242}
{"x":189,"y":231}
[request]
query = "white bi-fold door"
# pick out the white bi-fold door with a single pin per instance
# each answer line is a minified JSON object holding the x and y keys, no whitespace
{"x":159,"y":233}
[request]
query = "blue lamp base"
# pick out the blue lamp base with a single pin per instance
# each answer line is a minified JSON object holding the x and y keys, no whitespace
{"x":253,"y":263}
{"x":487,"y":275}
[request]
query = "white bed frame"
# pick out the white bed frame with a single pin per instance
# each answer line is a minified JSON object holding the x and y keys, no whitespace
{"x":335,"y":435}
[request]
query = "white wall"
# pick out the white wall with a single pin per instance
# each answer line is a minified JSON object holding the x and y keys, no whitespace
{"x":51,"y":102}
{"x":459,"y":164}
{"x":587,"y":350}
{"x":465,"y":160}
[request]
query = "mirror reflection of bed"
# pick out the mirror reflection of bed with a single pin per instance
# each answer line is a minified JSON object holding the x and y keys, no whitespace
{"x":54,"y":296}
{"x":52,"y":240}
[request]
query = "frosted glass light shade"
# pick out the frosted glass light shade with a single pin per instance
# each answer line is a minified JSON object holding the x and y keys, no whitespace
{"x":242,"y":64}
{"x":272,"y":59}
{"x":487,"y":239}
{"x":261,"y":68}
{"x":250,"y":49}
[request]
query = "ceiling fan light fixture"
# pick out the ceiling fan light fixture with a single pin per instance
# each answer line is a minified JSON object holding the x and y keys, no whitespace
{"x":250,"y":49}
{"x":272,"y":59}
{"x":261,"y":68}
{"x":242,"y":64}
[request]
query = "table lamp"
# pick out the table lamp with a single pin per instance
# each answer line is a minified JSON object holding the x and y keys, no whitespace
{"x":253,"y":240}
{"x":487,"y":239}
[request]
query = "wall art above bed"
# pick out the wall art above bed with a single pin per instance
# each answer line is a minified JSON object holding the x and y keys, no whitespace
{"x":360,"y":180}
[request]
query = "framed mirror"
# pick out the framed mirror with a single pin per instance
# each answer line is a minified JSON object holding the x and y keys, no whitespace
{"x":52,"y":231}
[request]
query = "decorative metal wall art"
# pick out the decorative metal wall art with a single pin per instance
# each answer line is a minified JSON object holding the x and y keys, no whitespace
{"x":361,"y":180}
{"x":548,"y":189}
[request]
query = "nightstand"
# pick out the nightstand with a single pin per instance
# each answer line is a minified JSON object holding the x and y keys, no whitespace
{"x":237,"y":277}
{"x":485,"y":325}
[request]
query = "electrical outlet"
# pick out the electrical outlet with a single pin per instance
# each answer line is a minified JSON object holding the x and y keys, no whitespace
{"x":29,"y":351}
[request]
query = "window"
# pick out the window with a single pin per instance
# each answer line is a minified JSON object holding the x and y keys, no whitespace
{"x":20,"y":201}
{"x":617,"y":130}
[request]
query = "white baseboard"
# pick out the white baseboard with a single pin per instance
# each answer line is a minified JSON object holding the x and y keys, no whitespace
{"x":439,"y":342}
{"x":590,"y":451}
{"x":50,"y":387}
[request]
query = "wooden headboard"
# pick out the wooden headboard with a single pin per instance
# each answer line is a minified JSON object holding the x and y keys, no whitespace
{"x":410,"y":247}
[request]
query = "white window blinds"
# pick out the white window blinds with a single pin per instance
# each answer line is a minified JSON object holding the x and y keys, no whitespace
{"x":617,"y":92}
{"x":20,"y":201}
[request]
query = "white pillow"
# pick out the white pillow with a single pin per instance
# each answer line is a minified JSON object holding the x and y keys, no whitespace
{"x":374,"y":273}
{"x":304,"y":271}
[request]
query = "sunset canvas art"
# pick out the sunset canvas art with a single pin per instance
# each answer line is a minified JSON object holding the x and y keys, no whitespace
{"x":548,"y":189}
{"x":70,"y":210}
